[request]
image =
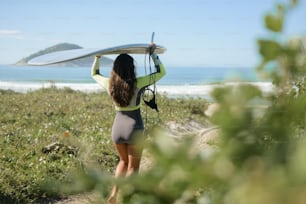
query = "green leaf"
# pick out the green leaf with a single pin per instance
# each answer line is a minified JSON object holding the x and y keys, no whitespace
{"x":269,"y":49}
{"x":274,"y":23}
{"x":294,"y":2}
{"x":249,"y":91}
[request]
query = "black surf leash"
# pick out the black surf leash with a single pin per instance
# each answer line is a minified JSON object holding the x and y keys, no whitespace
{"x":150,"y":101}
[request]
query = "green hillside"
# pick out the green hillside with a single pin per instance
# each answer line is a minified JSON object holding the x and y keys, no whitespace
{"x":87,"y":61}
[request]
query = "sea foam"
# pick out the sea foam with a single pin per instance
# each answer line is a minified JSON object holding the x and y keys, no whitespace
{"x":169,"y":90}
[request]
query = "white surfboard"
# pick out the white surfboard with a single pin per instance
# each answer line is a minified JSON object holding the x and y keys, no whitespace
{"x":69,"y":55}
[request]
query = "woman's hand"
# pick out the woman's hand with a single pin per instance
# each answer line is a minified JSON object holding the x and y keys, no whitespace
{"x":152,"y":48}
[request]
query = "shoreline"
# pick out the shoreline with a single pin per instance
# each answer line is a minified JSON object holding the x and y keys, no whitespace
{"x":201,"y":90}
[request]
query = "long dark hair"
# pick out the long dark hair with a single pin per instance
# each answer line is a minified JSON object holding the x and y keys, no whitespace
{"x":123,"y":80}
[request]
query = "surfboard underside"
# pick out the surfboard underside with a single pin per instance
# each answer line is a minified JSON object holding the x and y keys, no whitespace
{"x":69,"y":55}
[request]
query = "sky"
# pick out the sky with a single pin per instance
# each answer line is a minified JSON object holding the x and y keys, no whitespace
{"x":197,"y":33}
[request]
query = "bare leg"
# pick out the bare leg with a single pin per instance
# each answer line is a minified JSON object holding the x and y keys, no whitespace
{"x":134,"y":157}
{"x":130,"y":156}
{"x":121,"y":169}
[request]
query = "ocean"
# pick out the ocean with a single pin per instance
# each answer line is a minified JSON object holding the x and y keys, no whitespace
{"x":179,"y":81}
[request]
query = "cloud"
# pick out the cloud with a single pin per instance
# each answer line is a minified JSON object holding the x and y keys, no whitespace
{"x":6,"y":33}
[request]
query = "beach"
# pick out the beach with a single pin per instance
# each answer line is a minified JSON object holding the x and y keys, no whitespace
{"x":178,"y":82}
{"x":202,"y":91}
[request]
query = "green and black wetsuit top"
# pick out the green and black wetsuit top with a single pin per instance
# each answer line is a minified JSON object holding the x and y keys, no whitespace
{"x":128,"y":121}
{"x":142,"y":82}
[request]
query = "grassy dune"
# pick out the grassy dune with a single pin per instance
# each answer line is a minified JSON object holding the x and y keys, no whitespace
{"x":47,"y":133}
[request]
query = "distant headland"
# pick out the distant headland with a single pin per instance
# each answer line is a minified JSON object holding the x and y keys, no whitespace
{"x":87,"y":61}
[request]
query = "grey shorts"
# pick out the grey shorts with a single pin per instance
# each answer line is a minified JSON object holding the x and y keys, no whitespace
{"x":127,"y":127}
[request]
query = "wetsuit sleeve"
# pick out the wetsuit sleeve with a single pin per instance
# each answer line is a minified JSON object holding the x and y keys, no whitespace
{"x":153,"y":77}
{"x":95,"y":73}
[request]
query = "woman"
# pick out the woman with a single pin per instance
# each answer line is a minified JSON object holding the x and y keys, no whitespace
{"x":125,"y":90}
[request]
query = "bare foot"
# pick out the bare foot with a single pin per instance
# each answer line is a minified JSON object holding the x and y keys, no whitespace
{"x":111,"y":200}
